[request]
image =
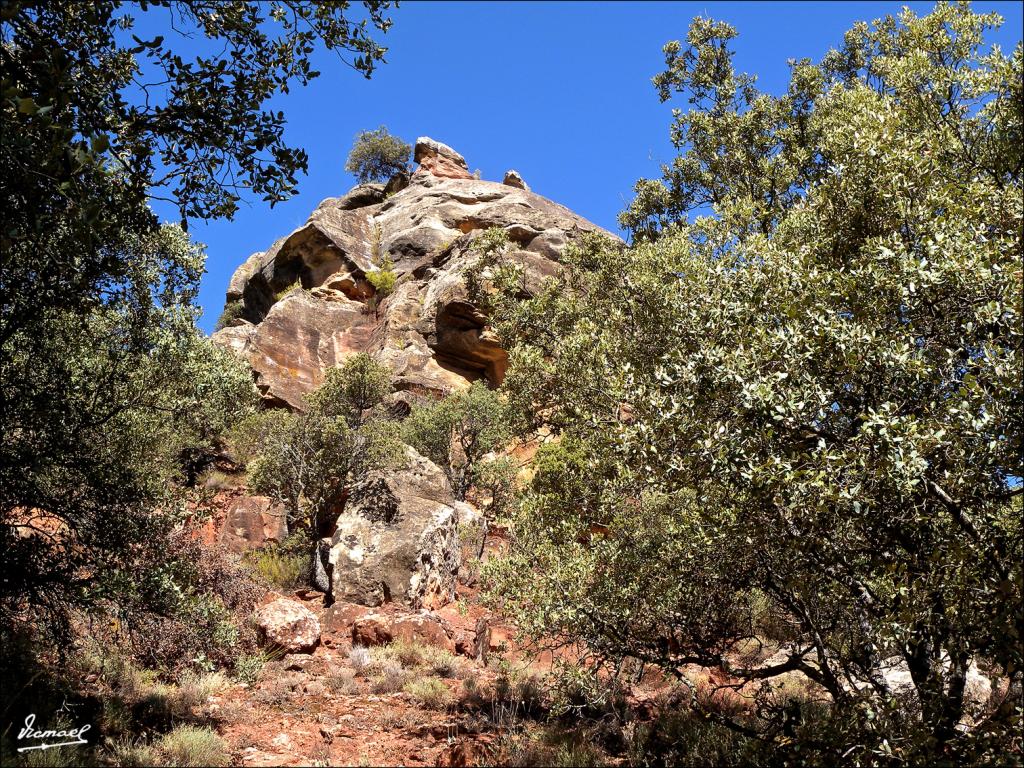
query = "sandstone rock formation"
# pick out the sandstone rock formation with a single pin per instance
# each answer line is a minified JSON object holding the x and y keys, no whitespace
{"x":288,"y":625}
{"x":422,"y":628}
{"x":252,"y":521}
{"x":397,"y":539}
{"x":513,"y":179}
{"x":306,"y":303}
{"x":440,"y":159}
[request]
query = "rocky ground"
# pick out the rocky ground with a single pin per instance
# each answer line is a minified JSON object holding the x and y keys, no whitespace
{"x":389,"y":685}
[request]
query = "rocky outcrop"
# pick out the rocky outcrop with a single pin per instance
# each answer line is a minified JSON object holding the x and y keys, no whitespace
{"x":306,"y":303}
{"x":287,"y":625}
{"x":513,"y":179}
{"x":397,"y":539}
{"x":440,"y":160}
{"x":252,"y":521}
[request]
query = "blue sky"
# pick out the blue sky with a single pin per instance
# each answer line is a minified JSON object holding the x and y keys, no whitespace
{"x":559,"y":91}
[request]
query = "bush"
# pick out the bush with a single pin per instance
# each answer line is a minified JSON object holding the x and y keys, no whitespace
{"x":686,"y":738}
{"x":377,"y":156}
{"x":188,"y":746}
{"x":246,"y":438}
{"x":383,"y":278}
{"x":279,"y":566}
{"x":248,"y":667}
{"x":392,"y":678}
{"x":295,"y":286}
{"x":132,"y":752}
{"x":430,"y":693}
{"x":359,"y":657}
{"x":343,"y":681}
{"x":456,"y":433}
{"x":232,"y":311}
{"x":307,"y":460}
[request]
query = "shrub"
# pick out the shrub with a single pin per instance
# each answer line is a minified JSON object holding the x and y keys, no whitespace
{"x":343,"y":681}
{"x":686,"y":738}
{"x":188,"y":746}
{"x":359,"y":657}
{"x":800,"y":392}
{"x":306,"y":460}
{"x":295,"y":286}
{"x":232,"y":311}
{"x":246,"y":438}
{"x":132,"y":752}
{"x":377,"y":156}
{"x":456,"y":433}
{"x":279,"y":566}
{"x":383,"y":278}
{"x":392,"y":678}
{"x":249,"y":666}
{"x":430,"y":693}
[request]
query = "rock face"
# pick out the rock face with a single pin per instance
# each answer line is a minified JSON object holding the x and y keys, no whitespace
{"x":397,"y":539}
{"x":306,"y":303}
{"x":288,"y":625}
{"x":252,"y":521}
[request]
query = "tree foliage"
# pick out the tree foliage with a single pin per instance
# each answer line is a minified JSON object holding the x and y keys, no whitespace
{"x":111,"y":398}
{"x":105,"y":420}
{"x":789,"y":434}
{"x":377,"y":156}
{"x":308,"y":460}
{"x":458,"y":432}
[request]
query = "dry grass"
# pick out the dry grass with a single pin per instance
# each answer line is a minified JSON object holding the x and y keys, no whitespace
{"x":188,"y":746}
{"x":391,"y":679}
{"x":430,"y":693}
{"x":422,"y":658}
{"x":343,"y":681}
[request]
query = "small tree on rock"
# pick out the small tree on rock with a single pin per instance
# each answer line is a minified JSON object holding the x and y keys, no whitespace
{"x":377,"y":156}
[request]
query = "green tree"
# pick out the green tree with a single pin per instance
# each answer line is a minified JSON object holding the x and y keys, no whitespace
{"x":383,"y":278}
{"x":308,"y":460}
{"x":377,"y":156}
{"x":127,"y":402}
{"x":457,"y":432}
{"x":791,"y":428}
{"x":111,"y":398}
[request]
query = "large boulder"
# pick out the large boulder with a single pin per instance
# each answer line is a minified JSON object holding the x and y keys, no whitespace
{"x":252,"y":521}
{"x":422,"y":628}
{"x":287,"y":625}
{"x":397,"y":539}
{"x":440,"y":159}
{"x":306,"y":303}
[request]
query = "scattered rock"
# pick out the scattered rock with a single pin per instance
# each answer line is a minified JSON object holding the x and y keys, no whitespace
{"x":424,"y":628}
{"x":372,"y":630}
{"x":513,"y":179}
{"x":288,"y":625}
{"x":342,"y":615}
